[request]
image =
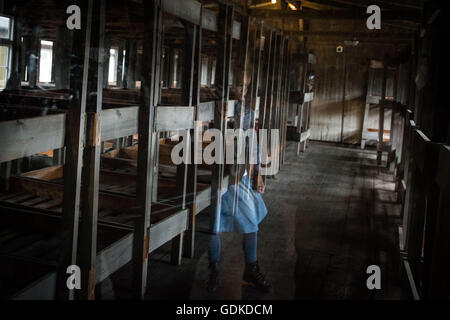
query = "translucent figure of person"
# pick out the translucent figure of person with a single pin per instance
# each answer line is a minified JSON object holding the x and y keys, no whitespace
{"x":242,"y":207}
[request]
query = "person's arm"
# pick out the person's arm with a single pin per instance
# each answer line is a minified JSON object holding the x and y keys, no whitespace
{"x":258,"y":181}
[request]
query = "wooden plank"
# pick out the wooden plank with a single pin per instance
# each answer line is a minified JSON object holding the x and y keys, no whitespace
{"x":92,"y":151}
{"x":167,"y":229}
{"x":174,"y":118}
{"x":41,"y":289}
{"x":309,"y":97}
{"x":188,"y":10}
{"x":31,"y":136}
{"x":230,"y":108}
{"x":205,"y":111}
{"x":305,"y":135}
{"x":118,"y":123}
{"x":373,"y":100}
{"x":112,"y":258}
{"x":203,"y":198}
{"x":209,"y":22}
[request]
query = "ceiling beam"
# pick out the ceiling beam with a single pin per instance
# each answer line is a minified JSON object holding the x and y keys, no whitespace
{"x":412,"y":5}
{"x":354,"y":14}
{"x":340,"y":37}
{"x":351,"y":35}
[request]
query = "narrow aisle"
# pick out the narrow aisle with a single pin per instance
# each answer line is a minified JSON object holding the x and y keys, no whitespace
{"x":332,"y":213}
{"x":346,"y":219}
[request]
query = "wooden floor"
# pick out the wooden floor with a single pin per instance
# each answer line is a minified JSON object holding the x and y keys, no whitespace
{"x":332,"y":213}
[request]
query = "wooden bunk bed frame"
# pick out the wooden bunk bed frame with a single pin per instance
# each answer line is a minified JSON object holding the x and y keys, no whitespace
{"x":110,"y":238}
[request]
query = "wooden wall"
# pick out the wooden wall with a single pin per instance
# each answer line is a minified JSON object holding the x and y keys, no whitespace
{"x":340,"y":90}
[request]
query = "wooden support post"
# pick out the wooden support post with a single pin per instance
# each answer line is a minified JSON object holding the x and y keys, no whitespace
{"x":63,"y":49}
{"x":5,"y":173}
{"x":301,"y":145}
{"x":129,"y":78}
{"x":120,"y":70}
{"x":74,"y":149}
{"x":265,"y":99}
{"x":242,"y":64}
{"x":191,"y":188}
{"x":271,"y":124}
{"x":209,"y":79}
{"x":258,"y":47}
{"x":410,"y":182}
{"x":32,"y":55}
{"x":380,"y":144}
{"x":391,"y":163}
{"x":58,"y":156}
{"x":224,"y":46}
{"x":438,"y":280}
{"x":92,"y":152}
{"x":149,"y":99}
{"x":187,"y":82}
{"x":257,"y":64}
{"x":285,"y":100}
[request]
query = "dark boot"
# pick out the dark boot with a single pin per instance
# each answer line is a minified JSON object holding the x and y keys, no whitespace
{"x":253,"y":276}
{"x":213,"y":281}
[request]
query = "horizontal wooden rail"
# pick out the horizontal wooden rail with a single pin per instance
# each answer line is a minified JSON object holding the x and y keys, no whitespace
{"x":31,"y":136}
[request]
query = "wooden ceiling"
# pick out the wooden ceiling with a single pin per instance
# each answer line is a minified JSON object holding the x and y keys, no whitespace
{"x":322,"y":20}
{"x":311,"y":19}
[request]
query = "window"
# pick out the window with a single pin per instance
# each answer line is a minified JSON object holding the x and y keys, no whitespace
{"x":113,"y":64}
{"x":176,"y":71}
{"x":5,"y":28}
{"x":204,"y":77}
{"x":213,"y":75}
{"x":46,"y":62}
{"x":6,"y":24}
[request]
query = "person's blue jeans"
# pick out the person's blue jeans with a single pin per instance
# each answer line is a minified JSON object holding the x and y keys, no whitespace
{"x":249,"y":243}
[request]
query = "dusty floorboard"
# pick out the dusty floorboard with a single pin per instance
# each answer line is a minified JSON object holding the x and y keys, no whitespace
{"x":332,"y":213}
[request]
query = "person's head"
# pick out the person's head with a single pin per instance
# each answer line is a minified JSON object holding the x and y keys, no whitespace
{"x":242,"y":83}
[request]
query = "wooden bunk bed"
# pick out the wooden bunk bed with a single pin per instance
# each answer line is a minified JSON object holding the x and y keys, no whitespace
{"x":115,"y":202}
{"x":300,"y":103}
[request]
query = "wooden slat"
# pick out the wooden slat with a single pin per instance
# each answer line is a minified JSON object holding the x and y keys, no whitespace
{"x":205,"y":111}
{"x":31,"y":136}
{"x":309,"y":97}
{"x":118,"y":123}
{"x":188,"y":10}
{"x":174,"y":118}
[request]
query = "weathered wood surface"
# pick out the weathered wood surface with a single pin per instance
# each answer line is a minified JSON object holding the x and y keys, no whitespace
{"x":31,"y":136}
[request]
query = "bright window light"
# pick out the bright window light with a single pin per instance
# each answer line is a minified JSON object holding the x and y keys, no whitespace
{"x":46,"y":61}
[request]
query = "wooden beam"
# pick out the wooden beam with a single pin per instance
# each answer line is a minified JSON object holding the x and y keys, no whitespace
{"x":92,"y":151}
{"x":74,"y":148}
{"x":411,"y":5}
{"x":357,"y":14}
{"x":223,"y":68}
{"x":149,"y":100}
{"x":32,"y":136}
{"x":352,"y":35}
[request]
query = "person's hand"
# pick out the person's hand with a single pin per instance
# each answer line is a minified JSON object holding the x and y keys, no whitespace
{"x":261,"y":187}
